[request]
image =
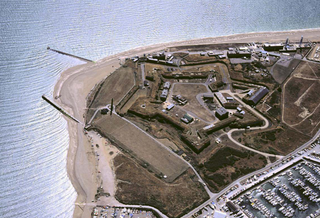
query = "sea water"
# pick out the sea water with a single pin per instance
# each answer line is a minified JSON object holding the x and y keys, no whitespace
{"x":33,"y":137}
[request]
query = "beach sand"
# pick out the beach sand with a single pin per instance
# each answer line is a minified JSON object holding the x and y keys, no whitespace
{"x":76,"y":83}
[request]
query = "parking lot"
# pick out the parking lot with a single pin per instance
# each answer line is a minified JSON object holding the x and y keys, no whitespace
{"x":112,"y":212}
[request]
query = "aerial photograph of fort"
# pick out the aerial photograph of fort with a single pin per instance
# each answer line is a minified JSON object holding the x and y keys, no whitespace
{"x":211,"y":125}
{"x":228,"y":128}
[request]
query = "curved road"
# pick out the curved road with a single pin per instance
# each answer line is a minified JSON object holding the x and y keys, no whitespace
{"x":266,"y":124}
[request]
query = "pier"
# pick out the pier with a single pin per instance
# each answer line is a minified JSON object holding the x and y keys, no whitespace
{"x":71,"y":55}
{"x":60,"y":109}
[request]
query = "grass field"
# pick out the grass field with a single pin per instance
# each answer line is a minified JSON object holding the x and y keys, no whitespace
{"x":137,"y":186}
{"x":294,"y":91}
{"x":307,"y":70}
{"x":301,"y":98}
{"x":227,"y":164}
{"x":140,"y":145}
{"x":115,"y":86}
{"x":281,"y":140}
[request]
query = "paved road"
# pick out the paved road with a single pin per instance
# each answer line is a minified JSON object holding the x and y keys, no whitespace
{"x":143,"y":73}
{"x":94,"y":204}
{"x":266,"y":125}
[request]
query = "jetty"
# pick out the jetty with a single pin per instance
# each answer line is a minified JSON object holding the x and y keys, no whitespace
{"x":71,"y":55}
{"x":60,"y":109}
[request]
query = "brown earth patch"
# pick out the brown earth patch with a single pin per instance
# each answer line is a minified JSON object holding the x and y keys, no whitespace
{"x":143,"y":188}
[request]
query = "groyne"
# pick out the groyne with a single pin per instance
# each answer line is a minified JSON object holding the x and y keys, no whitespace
{"x":71,"y":55}
{"x":59,"y":108}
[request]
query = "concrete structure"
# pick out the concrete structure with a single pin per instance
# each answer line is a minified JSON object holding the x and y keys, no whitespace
{"x":170,"y":106}
{"x":233,"y":208}
{"x":181,"y":100}
{"x":253,"y":100}
{"x":167,"y":85}
{"x":222,"y":113}
{"x":211,"y":53}
{"x":104,"y":111}
{"x":250,"y":92}
{"x":238,"y":54}
{"x":272,"y":47}
{"x":219,"y":214}
{"x":164,"y":94}
{"x":274,"y":54}
{"x":207,"y":96}
{"x":208,"y":127}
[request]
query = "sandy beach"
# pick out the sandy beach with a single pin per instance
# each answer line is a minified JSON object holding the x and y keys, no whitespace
{"x":75,"y":84}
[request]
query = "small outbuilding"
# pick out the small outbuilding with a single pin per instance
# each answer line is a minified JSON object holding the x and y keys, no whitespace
{"x":187,"y":119}
{"x":104,"y":111}
{"x":170,"y":106}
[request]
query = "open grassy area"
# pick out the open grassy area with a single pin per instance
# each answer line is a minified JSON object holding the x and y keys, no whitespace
{"x":135,"y":185}
{"x":114,"y":86}
{"x":140,"y":145}
{"x":301,"y":101}
{"x":281,"y":140}
{"x":274,"y":101}
{"x":311,"y":124}
{"x":307,"y":70}
{"x":227,"y":164}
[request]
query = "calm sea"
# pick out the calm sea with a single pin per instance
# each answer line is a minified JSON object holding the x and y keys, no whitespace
{"x":33,"y":136}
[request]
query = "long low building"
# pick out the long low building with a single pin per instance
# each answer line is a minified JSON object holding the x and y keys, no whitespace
{"x":238,"y":54}
{"x":253,"y":100}
{"x":272,"y":47}
{"x":220,"y":98}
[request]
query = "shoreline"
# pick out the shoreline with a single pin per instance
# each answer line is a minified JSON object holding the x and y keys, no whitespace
{"x":75,"y":84}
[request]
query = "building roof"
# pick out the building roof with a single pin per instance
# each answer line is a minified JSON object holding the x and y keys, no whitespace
{"x":166,"y":85}
{"x":164,"y":93}
{"x":220,"y":97}
{"x":221,"y":111}
{"x":232,"y":206}
{"x":207,"y":95}
{"x":259,"y":95}
{"x":188,"y":117}
{"x":170,"y":106}
{"x":273,"y":44}
{"x":219,"y":214}
{"x":208,"y":127}
{"x":229,"y":98}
